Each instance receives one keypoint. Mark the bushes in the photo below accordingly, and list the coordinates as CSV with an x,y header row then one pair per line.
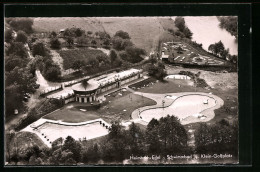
x,y
195,77
219,138
24,24
69,56
34,114
55,43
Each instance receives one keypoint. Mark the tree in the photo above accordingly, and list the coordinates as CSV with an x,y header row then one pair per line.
x,y
9,135
17,49
103,58
9,35
12,61
113,56
53,34
120,43
24,24
188,34
56,144
180,23
22,79
78,64
93,62
156,71
21,37
122,34
152,124
70,40
52,73
233,58
79,32
180,34
73,146
212,48
116,131
55,43
134,137
179,50
39,49
218,138
89,32
104,35
135,54
94,42
106,43
219,48
68,33
229,23
92,154
225,53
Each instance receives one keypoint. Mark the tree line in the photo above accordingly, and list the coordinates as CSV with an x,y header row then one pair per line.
x,y
161,137
18,77
218,49
184,31
229,23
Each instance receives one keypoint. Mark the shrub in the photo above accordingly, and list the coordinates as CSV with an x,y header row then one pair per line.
x,y
55,43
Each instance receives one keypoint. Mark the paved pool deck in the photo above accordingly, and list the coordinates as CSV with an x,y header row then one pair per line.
x,y
34,128
208,113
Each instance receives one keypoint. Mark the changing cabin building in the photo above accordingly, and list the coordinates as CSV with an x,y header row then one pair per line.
x,y
89,91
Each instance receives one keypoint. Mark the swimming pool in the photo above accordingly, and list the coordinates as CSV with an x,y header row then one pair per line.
x,y
53,131
182,107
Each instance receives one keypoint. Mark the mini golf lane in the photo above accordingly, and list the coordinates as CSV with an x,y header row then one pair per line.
x,y
188,107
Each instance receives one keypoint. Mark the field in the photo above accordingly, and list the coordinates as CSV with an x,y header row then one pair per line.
x,y
69,56
72,114
144,31
120,107
56,23
168,86
167,23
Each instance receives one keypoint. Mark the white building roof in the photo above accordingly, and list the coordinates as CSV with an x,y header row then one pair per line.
x,y
115,76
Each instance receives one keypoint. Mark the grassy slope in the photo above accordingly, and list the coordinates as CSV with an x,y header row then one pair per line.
x,y
69,56
55,24
144,31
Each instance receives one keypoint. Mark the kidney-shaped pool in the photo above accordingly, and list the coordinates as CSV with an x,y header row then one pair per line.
x,y
182,107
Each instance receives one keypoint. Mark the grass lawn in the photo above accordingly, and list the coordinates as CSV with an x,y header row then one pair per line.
x,y
114,109
72,114
69,56
169,86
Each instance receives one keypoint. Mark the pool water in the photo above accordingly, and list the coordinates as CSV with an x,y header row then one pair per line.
x,y
182,108
54,131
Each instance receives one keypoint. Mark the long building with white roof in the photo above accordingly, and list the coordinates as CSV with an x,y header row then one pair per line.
x,y
90,90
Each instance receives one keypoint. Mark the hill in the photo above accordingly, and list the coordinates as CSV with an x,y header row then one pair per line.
x,y
43,24
144,31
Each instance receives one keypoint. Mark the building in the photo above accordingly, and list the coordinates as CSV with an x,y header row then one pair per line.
x,y
88,91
